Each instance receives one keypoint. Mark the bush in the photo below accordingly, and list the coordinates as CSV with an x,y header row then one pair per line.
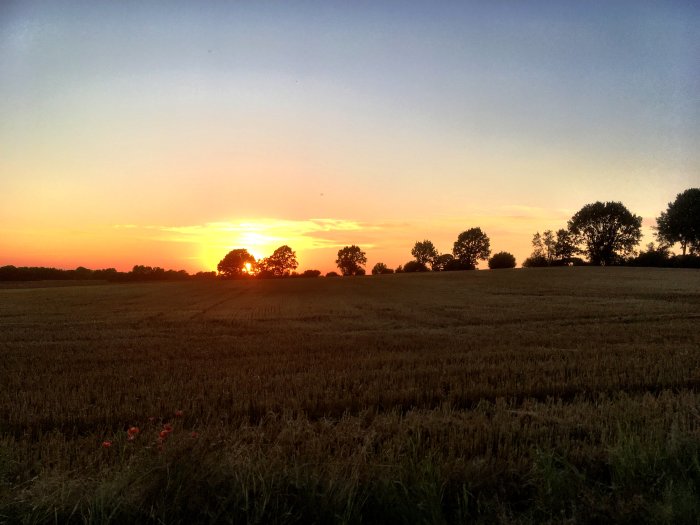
x,y
381,268
311,273
537,261
332,274
502,260
414,266
455,265
685,261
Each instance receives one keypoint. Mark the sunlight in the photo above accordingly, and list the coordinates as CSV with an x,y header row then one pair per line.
x,y
261,237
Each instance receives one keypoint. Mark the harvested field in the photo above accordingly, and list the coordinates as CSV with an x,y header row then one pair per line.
x,y
562,395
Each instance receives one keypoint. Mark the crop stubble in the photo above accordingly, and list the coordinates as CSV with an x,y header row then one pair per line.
x,y
477,392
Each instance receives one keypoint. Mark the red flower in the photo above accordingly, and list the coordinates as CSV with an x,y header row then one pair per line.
x,y
168,427
133,431
194,434
164,434
106,444
179,413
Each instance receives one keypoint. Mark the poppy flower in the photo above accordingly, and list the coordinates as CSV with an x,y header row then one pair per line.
x,y
106,444
179,413
168,427
194,434
164,434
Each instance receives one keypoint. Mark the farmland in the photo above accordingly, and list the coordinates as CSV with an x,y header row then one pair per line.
x,y
562,395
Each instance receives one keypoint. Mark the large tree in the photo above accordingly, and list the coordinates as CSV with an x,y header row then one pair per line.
x,y
351,260
471,246
236,263
282,261
424,252
607,229
680,223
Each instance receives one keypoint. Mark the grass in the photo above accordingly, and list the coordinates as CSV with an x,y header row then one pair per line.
x,y
565,395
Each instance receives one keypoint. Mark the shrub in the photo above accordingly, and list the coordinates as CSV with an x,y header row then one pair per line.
x,y
455,265
537,261
381,268
502,260
414,266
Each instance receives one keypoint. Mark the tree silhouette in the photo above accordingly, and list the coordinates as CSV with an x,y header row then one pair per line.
x,y
351,260
608,230
471,246
680,223
424,252
442,261
549,249
235,263
538,257
502,260
280,264
565,246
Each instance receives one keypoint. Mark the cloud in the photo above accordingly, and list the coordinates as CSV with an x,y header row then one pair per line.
x,y
261,236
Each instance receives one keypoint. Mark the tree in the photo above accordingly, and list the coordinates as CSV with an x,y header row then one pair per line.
x,y
537,246
502,260
350,260
424,252
549,244
471,246
538,257
608,230
236,263
282,261
311,273
680,223
565,246
380,268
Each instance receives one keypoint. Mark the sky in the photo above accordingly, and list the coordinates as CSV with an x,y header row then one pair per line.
x,y
168,133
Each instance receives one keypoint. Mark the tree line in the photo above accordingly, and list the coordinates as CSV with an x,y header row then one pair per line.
x,y
608,233
604,233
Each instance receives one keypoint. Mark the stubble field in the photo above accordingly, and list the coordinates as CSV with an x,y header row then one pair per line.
x,y
564,395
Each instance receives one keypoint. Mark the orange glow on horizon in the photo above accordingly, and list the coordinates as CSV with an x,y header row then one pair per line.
x,y
316,241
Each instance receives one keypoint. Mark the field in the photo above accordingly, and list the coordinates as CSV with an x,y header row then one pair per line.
x,y
564,395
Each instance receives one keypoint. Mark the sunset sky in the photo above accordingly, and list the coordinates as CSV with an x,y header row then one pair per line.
x,y
168,133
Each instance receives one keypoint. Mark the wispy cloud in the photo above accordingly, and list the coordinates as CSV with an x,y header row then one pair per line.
x,y
260,236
